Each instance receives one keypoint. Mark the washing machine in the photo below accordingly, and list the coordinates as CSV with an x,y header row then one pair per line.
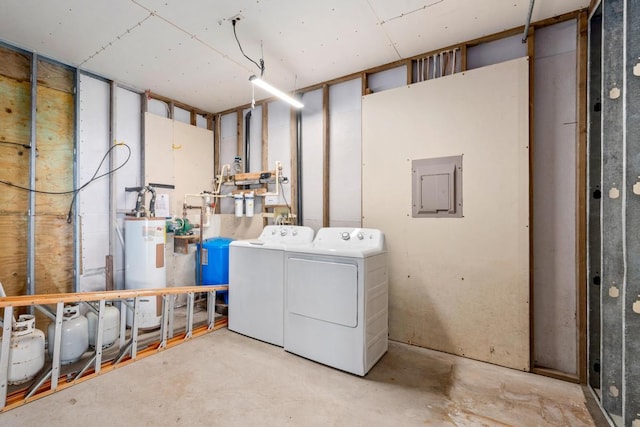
x,y
336,299
256,281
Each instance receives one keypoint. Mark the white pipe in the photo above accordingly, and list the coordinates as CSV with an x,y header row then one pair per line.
x,y
228,168
453,68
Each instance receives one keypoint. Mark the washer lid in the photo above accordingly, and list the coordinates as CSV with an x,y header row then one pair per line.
x,y
279,237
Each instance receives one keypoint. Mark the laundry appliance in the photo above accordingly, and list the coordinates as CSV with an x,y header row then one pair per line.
x,y
336,299
256,281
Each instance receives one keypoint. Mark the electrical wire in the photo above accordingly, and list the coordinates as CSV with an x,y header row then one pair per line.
x,y
27,146
285,199
261,65
82,187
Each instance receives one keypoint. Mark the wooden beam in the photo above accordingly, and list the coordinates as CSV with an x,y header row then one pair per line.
x,y
217,139
552,373
46,299
531,53
176,103
326,148
409,71
265,136
581,196
463,58
365,84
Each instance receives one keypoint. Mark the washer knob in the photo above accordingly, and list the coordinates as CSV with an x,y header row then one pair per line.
x,y
294,232
273,232
346,235
360,236
283,232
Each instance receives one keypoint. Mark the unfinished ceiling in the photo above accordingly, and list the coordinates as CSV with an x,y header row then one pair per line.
x,y
185,49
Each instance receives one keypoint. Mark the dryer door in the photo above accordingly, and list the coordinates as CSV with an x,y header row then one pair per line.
x,y
323,290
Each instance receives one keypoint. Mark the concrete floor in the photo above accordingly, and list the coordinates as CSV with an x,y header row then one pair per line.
x,y
225,379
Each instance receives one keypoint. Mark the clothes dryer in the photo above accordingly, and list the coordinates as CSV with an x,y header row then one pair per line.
x,y
336,299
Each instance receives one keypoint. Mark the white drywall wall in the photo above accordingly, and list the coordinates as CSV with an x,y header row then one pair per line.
x,y
554,198
459,285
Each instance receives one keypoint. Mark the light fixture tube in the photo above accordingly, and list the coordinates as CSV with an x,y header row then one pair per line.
x,y
274,91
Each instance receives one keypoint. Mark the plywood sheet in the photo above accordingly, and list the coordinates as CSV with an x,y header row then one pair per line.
x,y
15,65
15,115
13,254
55,135
54,254
193,161
459,285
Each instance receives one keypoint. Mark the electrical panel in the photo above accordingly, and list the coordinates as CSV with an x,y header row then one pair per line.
x,y
436,187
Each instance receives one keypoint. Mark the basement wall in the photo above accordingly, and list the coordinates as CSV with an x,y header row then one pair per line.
x,y
459,285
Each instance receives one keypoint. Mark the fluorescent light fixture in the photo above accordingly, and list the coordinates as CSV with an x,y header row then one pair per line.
x,y
277,92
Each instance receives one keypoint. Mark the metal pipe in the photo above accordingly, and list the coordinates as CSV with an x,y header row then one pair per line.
x,y
113,218
31,226
528,23
247,141
76,184
299,217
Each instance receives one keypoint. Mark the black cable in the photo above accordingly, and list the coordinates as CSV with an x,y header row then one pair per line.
x,y
27,146
76,191
261,65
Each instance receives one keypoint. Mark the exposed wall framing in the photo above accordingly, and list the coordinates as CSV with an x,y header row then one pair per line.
x,y
37,152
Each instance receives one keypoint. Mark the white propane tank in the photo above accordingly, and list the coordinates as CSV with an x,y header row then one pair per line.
x,y
75,335
145,266
26,354
111,326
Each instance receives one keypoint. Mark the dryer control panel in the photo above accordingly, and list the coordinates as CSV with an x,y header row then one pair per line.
x,y
350,239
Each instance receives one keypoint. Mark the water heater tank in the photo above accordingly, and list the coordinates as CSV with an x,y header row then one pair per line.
x,y
145,265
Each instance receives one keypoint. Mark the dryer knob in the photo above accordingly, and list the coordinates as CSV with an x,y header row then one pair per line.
x,y
360,236
283,232
294,232
273,232
346,235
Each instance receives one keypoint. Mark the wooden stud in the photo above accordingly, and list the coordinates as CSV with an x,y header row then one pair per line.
x,y
265,136
193,118
217,140
531,53
326,150
581,192
463,58
365,84
409,63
